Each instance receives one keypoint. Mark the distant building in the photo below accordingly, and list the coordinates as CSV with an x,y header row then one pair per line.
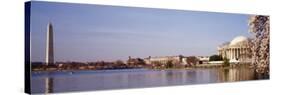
x,y
135,62
237,51
165,59
203,59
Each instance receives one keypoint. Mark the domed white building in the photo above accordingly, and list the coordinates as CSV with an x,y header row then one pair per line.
x,y
237,51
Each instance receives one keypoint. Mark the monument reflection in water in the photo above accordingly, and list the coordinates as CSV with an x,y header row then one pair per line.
x,y
134,78
49,85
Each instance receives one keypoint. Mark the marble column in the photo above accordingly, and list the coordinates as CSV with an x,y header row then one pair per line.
x,y
242,53
229,52
236,54
245,53
239,53
235,50
233,53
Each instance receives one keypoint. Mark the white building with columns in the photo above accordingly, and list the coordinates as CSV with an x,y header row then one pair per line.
x,y
237,51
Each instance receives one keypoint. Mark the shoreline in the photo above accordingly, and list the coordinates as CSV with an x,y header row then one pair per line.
x,y
202,66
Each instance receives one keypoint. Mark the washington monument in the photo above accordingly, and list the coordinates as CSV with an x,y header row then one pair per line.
x,y
50,45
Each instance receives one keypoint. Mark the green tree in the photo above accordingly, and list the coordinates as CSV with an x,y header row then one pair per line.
x,y
192,60
170,64
226,62
215,58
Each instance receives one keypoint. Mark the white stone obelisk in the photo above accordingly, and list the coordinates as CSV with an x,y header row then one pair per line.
x,y
50,45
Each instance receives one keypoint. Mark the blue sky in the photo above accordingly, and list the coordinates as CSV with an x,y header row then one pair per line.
x,y
84,32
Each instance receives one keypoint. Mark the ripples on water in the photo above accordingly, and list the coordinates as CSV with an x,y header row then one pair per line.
x,y
48,82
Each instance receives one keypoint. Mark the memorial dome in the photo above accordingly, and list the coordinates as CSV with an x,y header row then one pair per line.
x,y
238,40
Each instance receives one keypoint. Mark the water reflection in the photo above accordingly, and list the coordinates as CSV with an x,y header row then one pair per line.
x,y
235,74
49,85
103,80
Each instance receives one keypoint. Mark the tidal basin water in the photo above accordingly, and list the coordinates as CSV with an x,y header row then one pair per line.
x,y
53,82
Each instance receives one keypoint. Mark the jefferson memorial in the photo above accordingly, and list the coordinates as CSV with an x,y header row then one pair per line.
x,y
237,51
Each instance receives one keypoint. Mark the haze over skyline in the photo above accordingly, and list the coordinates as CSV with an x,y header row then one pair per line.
x,y
84,32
